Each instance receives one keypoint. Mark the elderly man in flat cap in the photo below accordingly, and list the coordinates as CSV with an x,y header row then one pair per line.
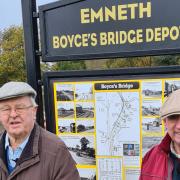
x,y
28,152
163,160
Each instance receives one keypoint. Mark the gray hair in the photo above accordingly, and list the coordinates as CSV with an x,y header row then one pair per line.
x,y
33,101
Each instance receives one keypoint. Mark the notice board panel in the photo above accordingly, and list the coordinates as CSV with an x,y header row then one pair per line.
x,y
91,29
108,119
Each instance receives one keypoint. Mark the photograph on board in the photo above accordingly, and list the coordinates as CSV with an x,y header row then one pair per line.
x,y
85,126
66,126
84,110
65,92
148,142
151,107
65,109
170,86
131,150
152,89
151,125
82,148
84,92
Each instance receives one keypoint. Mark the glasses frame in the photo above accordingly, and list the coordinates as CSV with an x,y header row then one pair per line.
x,y
19,110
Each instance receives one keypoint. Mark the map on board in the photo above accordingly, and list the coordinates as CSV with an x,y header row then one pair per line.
x,y
117,122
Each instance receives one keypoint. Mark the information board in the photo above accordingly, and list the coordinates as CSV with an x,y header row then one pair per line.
x,y
109,123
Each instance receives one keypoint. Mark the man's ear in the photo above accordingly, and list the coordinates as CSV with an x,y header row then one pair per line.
x,y
35,110
165,122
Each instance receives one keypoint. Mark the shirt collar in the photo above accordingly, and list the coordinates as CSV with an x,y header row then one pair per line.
x,y
173,151
21,146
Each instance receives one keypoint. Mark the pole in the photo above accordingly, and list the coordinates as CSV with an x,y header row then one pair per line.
x,y
32,54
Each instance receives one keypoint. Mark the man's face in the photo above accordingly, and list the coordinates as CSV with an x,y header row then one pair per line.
x,y
172,124
17,115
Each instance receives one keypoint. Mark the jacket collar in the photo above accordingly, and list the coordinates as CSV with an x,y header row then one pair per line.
x,y
165,143
31,149
2,149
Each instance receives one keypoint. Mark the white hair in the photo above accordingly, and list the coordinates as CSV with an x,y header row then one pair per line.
x,y
33,101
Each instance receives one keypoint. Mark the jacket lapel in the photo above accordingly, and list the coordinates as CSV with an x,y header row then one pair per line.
x,y
3,159
31,148
30,154
165,144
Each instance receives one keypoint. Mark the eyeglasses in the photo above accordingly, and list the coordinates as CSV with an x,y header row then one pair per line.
x,y
19,109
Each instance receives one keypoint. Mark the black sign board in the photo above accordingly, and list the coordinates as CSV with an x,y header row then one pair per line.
x,y
88,29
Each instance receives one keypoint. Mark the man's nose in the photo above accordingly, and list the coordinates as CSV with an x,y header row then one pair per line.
x,y
178,123
13,113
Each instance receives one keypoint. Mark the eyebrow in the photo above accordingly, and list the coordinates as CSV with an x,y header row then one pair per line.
x,y
16,105
173,116
4,106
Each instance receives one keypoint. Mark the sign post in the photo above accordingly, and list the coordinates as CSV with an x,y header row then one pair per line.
x,y
32,57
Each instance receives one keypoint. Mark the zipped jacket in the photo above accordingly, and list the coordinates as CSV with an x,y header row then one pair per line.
x,y
156,164
45,157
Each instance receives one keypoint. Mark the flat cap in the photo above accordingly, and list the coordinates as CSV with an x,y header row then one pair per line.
x,y
171,105
16,89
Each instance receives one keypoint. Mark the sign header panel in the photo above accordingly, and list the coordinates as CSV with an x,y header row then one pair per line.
x,y
100,29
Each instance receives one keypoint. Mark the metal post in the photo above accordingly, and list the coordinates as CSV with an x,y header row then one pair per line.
x,y
32,54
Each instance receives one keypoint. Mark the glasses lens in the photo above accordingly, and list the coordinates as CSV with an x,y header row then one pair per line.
x,y
18,110
22,109
5,110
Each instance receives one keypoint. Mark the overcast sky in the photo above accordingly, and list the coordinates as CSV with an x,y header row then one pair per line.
x,y
11,13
